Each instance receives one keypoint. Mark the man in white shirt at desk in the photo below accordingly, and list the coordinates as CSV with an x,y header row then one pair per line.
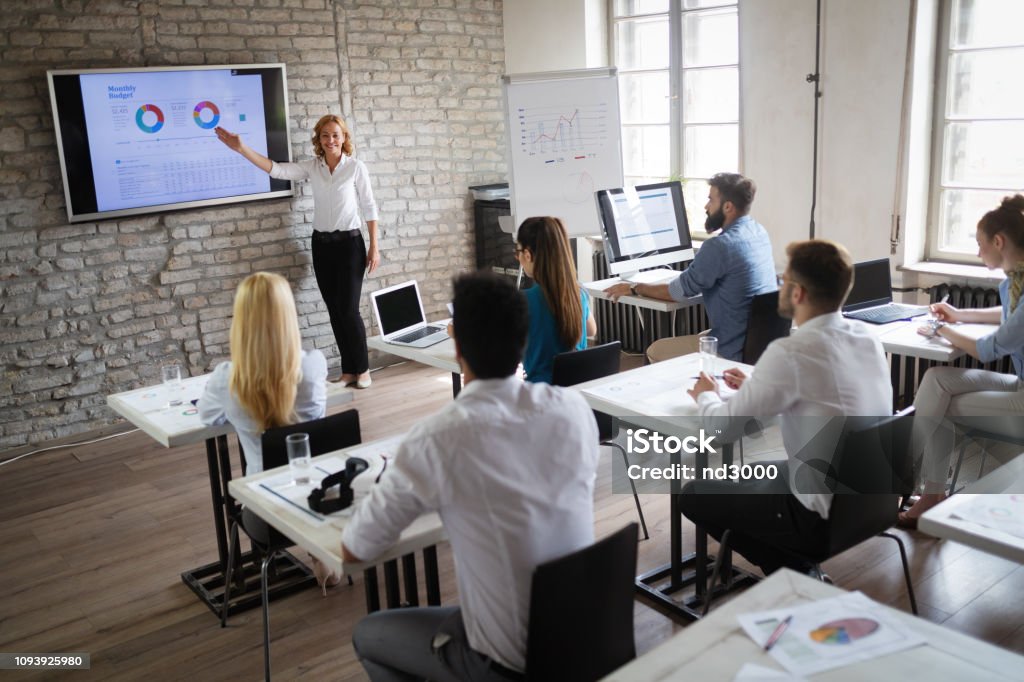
x,y
829,366
510,467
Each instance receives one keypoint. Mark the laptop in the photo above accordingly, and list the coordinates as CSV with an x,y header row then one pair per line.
x,y
399,312
870,299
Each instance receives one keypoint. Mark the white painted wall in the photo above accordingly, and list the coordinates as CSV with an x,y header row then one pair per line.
x,y
545,35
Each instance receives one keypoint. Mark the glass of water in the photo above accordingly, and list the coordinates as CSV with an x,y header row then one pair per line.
x,y
298,457
171,375
708,354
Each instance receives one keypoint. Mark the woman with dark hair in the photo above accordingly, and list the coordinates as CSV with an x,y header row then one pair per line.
x,y
560,316
341,190
975,397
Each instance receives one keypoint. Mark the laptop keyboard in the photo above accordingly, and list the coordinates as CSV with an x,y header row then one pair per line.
x,y
887,313
417,334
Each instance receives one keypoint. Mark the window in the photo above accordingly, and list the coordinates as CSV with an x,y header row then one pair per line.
x,y
978,153
679,92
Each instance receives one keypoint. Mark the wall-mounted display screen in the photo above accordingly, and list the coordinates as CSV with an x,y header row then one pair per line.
x,y
136,141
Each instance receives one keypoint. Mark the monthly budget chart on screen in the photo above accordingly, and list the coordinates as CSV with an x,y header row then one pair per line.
x,y
152,141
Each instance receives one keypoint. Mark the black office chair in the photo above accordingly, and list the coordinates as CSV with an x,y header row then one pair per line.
x,y
575,367
764,325
581,611
872,470
327,434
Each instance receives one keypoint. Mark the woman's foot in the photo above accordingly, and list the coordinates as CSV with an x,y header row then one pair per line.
x,y
324,577
908,519
362,381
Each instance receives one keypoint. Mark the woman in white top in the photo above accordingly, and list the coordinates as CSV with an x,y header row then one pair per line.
x,y
270,381
341,191
975,397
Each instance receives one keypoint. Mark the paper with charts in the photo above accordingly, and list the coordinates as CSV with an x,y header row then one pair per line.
x,y
998,512
152,401
830,633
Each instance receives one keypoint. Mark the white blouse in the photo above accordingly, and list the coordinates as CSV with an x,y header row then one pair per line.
x,y
218,406
338,197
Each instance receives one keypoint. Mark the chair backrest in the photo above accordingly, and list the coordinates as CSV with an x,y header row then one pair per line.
x,y
326,434
575,367
764,325
581,611
873,468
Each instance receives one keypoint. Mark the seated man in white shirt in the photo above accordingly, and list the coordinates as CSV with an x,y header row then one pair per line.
x,y
828,367
510,467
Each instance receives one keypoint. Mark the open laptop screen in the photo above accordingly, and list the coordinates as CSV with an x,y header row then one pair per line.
x,y
872,285
399,309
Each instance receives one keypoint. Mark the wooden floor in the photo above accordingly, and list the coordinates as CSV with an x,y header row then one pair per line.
x,y
94,538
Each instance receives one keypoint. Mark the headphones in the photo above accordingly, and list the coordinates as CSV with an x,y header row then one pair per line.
x,y
317,499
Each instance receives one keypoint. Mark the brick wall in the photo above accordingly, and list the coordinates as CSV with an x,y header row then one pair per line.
x,y
92,309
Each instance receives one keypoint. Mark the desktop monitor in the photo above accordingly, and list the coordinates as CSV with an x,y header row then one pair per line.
x,y
644,227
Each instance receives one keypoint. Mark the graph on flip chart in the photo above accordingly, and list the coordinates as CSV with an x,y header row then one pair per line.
x,y
564,144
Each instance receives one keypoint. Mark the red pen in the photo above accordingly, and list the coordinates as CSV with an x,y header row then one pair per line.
x,y
777,633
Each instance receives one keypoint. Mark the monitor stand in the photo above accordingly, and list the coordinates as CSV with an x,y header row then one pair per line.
x,y
659,276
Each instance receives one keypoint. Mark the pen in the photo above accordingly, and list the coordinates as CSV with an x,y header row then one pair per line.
x,y
777,633
716,376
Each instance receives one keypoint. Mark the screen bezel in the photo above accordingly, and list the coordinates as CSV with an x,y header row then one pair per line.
x,y
873,266
619,264
72,123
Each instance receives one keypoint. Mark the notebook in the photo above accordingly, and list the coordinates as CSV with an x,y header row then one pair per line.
x,y
870,299
399,312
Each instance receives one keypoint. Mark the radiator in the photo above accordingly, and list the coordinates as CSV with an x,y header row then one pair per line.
x,y
908,378
620,322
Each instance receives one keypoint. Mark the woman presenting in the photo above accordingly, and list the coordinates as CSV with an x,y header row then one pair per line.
x,y
341,191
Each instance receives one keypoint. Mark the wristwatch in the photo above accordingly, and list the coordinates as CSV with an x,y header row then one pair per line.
x,y
632,288
936,325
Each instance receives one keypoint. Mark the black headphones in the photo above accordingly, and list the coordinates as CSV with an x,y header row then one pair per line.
x,y
318,501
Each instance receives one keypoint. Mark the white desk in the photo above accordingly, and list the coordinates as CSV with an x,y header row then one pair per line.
x,y
901,338
597,290
323,539
655,397
941,522
716,647
147,409
440,355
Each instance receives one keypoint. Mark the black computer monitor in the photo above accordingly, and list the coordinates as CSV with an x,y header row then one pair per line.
x,y
644,227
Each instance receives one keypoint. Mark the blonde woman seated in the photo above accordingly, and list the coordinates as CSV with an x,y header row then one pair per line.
x,y
975,397
269,381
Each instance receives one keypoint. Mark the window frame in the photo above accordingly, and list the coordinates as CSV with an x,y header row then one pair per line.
x,y
677,75
939,122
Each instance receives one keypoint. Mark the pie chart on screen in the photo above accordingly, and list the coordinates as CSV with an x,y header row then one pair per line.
x,y
206,115
844,631
152,114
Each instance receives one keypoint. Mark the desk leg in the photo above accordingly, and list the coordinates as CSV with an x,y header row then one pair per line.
x,y
290,575
391,594
650,584
412,596
371,587
456,384
430,576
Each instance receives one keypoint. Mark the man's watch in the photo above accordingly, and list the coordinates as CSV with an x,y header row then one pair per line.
x,y
632,288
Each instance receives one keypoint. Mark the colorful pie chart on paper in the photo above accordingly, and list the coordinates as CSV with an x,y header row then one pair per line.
x,y
844,631
157,118
197,115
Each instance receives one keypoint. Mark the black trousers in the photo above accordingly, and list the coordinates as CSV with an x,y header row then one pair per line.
x,y
339,262
769,525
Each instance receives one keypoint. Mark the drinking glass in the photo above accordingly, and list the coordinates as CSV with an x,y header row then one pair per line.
x,y
171,375
708,354
298,457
